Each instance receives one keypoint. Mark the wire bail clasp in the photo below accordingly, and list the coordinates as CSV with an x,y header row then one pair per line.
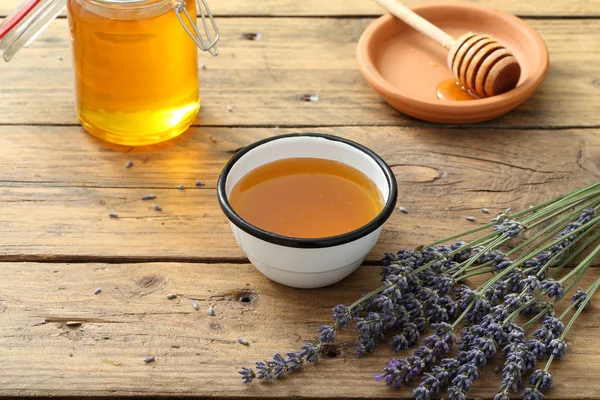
x,y
209,45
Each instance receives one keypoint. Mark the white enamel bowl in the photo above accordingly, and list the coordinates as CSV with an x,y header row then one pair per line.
x,y
299,262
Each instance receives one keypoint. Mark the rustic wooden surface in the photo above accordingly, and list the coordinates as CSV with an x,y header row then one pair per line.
x,y
263,80
278,8
57,185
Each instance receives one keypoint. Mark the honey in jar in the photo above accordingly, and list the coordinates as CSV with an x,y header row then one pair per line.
x,y
306,198
136,68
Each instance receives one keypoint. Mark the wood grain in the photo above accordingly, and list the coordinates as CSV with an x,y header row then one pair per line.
x,y
58,184
364,7
198,355
263,81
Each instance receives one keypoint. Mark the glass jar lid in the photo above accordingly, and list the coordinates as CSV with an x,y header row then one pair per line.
x,y
32,17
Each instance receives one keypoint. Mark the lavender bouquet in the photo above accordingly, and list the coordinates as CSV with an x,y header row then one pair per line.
x,y
427,288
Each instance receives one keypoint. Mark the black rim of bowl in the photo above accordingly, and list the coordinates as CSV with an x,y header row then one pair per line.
x,y
308,243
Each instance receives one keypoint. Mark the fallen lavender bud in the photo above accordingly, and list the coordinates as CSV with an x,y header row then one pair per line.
x,y
485,211
148,197
98,290
129,164
470,218
211,311
404,210
157,207
243,341
195,305
171,296
181,187
149,359
113,215
199,183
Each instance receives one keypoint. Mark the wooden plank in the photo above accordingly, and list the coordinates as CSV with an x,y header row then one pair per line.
x,y
57,186
198,355
363,7
264,80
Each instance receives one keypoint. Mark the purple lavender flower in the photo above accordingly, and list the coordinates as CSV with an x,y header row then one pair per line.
x,y
542,379
502,395
455,393
537,347
532,394
579,297
424,357
586,215
530,284
247,374
513,301
449,305
519,359
293,362
327,333
499,312
341,315
278,366
310,352
553,288
513,280
422,393
462,255
511,228
531,305
558,347
264,371
496,293
486,345
395,373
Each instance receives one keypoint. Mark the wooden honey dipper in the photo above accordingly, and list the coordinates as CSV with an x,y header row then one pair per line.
x,y
478,62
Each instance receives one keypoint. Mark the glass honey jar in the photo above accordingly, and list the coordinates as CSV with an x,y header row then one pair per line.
x,y
136,66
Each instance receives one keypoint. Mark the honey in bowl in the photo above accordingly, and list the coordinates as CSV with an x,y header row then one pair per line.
x,y
306,198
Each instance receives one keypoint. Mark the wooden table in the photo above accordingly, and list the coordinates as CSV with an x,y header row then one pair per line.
x,y
57,185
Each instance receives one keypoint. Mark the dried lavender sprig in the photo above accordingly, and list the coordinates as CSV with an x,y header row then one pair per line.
x,y
542,379
565,249
566,199
574,254
554,228
551,212
520,261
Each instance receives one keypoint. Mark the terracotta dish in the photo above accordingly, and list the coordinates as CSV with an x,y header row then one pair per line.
x,y
405,67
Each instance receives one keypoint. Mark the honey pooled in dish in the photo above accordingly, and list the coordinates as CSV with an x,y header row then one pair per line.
x,y
450,89
306,198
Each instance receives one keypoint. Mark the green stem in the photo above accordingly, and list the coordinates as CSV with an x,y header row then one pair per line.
x,y
487,271
463,314
556,256
561,200
583,265
590,292
558,227
574,254
541,314
366,297
526,257
503,238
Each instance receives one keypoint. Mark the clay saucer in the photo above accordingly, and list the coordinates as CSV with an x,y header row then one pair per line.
x,y
405,67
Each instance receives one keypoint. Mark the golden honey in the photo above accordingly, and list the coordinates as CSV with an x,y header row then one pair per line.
x,y
450,89
136,70
306,198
